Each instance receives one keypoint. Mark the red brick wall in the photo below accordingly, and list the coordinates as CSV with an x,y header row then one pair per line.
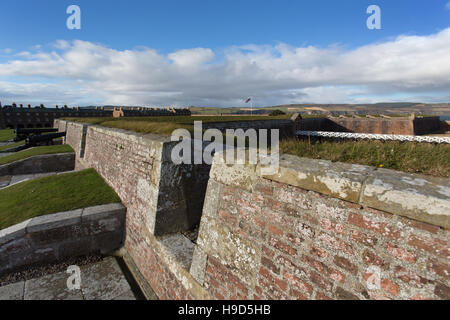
x,y
308,245
317,247
122,161
378,126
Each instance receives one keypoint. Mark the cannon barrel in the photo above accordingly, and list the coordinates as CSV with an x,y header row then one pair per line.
x,y
33,140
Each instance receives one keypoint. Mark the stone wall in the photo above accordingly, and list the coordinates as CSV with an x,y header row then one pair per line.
x,y
52,238
401,126
162,200
426,125
286,126
322,230
316,230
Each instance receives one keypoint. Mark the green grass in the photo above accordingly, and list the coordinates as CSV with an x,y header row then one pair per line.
x,y
166,125
425,158
53,194
6,135
13,145
35,152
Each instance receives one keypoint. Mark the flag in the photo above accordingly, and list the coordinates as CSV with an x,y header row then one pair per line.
x,y
248,100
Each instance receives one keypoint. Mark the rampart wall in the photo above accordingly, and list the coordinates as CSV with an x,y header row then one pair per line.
x,y
399,126
315,230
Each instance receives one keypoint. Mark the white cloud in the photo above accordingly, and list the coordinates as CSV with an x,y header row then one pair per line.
x,y
412,66
447,6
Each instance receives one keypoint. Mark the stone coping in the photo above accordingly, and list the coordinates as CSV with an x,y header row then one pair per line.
x,y
419,197
58,220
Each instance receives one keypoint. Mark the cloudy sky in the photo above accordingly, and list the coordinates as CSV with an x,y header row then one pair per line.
x,y
217,53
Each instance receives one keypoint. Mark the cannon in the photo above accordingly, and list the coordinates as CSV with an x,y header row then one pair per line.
x,y
45,138
24,133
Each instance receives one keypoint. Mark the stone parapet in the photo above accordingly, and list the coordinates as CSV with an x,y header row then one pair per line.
x,y
56,237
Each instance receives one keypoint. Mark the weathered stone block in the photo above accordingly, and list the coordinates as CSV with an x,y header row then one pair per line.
x,y
240,176
198,266
12,292
113,210
54,221
232,250
13,232
29,257
422,198
58,234
106,243
179,247
341,180
212,198
74,248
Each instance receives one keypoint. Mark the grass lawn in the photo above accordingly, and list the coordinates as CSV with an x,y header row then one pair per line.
x,y
6,135
53,194
425,158
166,125
13,145
64,148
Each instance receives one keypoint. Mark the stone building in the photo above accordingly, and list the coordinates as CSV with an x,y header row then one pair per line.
x,y
15,117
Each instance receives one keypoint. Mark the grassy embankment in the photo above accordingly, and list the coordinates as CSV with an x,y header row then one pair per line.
x,y
165,125
430,159
53,194
35,152
6,135
425,158
12,145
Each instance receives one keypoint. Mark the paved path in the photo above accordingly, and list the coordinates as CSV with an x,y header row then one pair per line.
x,y
102,280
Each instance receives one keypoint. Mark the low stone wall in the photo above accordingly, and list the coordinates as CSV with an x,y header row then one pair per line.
x,y
52,238
286,126
59,162
323,230
400,126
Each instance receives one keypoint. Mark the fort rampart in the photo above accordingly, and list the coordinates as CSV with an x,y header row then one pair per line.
x,y
315,230
398,126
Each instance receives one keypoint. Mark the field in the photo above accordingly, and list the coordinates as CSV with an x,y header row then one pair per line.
x,y
53,194
6,135
425,158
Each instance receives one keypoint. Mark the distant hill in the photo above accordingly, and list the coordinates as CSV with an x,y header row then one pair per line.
x,y
377,108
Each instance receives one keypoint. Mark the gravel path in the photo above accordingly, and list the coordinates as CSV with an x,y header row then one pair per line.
x,y
99,279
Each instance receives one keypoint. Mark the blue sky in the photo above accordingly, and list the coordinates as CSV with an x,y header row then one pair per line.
x,y
174,42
